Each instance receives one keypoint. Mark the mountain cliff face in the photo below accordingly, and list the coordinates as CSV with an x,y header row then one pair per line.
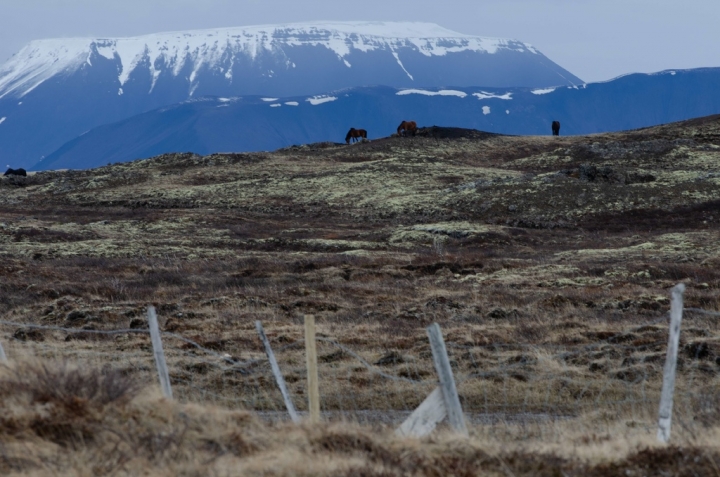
x,y
54,90
207,125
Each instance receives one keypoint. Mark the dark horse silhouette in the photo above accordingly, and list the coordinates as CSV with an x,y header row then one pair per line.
x,y
556,128
355,135
16,172
407,127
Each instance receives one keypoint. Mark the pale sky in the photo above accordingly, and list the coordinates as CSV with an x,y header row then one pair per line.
x,y
594,39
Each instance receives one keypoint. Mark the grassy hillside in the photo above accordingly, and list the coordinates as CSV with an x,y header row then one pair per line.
x,y
546,261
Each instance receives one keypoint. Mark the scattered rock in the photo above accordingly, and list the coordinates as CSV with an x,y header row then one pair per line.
x,y
138,324
76,316
390,359
199,368
702,350
557,301
632,375
332,357
29,334
441,302
597,367
499,313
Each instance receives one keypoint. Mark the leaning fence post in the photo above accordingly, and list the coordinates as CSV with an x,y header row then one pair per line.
x,y
278,375
668,387
447,381
425,417
159,354
312,371
3,356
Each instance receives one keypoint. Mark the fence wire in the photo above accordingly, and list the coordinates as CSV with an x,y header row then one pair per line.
x,y
504,387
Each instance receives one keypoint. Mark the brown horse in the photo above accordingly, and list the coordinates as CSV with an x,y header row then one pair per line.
x,y
407,127
355,135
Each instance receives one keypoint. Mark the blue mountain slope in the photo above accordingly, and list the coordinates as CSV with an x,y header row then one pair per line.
x,y
53,90
250,124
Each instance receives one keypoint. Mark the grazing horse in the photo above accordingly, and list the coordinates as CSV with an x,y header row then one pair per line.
x,y
556,128
355,135
16,172
407,127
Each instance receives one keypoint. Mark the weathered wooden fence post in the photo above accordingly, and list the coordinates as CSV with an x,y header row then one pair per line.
x,y
668,387
278,375
312,371
159,353
447,381
425,417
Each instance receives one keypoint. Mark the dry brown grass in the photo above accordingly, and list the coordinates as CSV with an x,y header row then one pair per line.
x,y
551,289
99,425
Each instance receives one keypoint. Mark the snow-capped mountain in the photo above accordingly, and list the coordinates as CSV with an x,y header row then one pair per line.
x,y
259,56
53,90
211,124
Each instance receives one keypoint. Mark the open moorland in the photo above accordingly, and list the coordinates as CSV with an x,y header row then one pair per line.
x,y
547,262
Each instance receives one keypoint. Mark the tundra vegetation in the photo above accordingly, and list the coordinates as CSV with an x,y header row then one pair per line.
x,y
547,261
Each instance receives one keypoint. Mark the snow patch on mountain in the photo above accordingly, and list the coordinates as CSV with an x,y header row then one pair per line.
x,y
41,60
443,92
485,95
315,100
217,49
2,120
543,91
397,58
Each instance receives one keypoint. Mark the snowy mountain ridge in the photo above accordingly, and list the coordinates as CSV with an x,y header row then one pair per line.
x,y
53,90
218,49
